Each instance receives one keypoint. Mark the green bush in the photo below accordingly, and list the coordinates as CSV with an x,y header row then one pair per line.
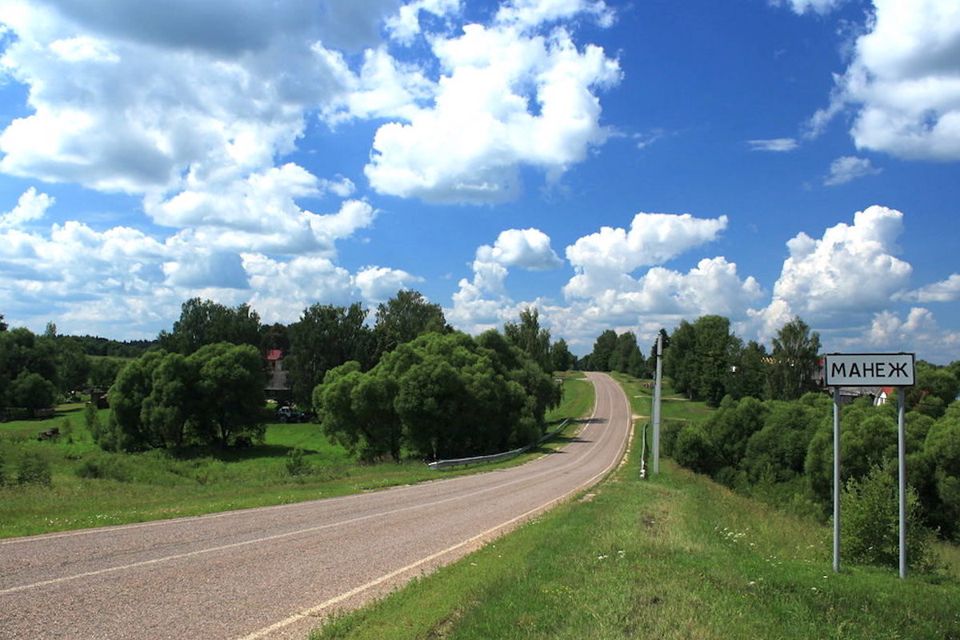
x,y
105,466
669,430
694,450
34,469
297,465
870,523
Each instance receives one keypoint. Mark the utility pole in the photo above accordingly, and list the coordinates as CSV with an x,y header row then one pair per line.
x,y
656,405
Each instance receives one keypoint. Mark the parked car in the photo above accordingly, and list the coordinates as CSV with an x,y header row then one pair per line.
x,y
292,414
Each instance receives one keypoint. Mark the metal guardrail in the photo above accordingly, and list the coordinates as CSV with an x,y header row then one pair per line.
x,y
496,457
643,451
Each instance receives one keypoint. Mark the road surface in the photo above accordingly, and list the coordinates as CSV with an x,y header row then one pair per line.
x,y
274,572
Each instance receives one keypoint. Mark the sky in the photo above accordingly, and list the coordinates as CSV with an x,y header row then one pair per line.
x,y
617,165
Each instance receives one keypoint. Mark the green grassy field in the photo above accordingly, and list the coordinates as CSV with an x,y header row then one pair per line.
x,y
123,488
677,556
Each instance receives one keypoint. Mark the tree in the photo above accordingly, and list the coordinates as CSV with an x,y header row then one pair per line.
x,y
104,370
942,450
274,336
438,396
625,351
73,365
3,325
205,322
679,361
404,317
560,357
357,411
231,383
325,337
529,337
795,355
125,430
935,388
23,352
714,348
213,396
603,348
749,373
174,400
32,391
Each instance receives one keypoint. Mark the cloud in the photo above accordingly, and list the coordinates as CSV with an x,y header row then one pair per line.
x,y
773,144
30,206
260,212
505,98
377,284
944,291
847,168
228,88
404,26
533,13
653,238
850,270
903,82
525,248
482,302
800,7
919,331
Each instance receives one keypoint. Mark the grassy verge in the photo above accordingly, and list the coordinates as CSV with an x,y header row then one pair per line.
x,y
677,556
124,488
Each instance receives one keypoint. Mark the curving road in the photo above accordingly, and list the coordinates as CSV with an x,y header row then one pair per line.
x,y
274,572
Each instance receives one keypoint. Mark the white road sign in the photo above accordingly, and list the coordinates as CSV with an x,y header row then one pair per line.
x,y
869,370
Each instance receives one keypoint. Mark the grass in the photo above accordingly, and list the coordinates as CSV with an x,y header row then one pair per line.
x,y
678,556
124,488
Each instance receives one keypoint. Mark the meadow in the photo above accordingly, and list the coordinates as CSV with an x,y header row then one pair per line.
x,y
675,556
90,487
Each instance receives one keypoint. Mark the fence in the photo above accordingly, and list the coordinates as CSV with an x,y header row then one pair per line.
x,y
495,457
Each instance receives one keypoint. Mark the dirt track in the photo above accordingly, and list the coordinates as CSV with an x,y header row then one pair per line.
x,y
273,572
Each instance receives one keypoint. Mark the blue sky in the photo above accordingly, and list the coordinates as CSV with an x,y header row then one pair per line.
x,y
617,165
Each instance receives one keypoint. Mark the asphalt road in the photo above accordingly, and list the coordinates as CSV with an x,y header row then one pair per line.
x,y
275,572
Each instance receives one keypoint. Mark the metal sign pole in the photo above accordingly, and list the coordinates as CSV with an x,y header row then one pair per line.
x,y
836,479
902,453
656,406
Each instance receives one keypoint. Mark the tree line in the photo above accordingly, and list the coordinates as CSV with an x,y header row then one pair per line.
x,y
37,371
706,361
404,384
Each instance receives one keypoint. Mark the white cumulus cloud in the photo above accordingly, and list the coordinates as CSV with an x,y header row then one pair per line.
x,y
904,82
850,270
504,99
32,205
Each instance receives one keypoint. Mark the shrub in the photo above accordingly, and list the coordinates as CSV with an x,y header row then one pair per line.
x,y
870,523
34,469
106,467
694,450
296,464
669,430
66,430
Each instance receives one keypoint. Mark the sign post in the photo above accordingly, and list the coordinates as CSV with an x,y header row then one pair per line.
x,y
656,405
870,370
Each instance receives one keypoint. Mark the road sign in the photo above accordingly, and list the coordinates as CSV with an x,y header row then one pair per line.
x,y
869,370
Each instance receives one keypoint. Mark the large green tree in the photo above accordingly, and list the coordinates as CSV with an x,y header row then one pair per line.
x,y
205,322
325,337
560,357
603,348
211,397
529,336
404,317
795,360
438,396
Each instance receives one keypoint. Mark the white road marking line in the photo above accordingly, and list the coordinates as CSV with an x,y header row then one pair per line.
x,y
388,576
